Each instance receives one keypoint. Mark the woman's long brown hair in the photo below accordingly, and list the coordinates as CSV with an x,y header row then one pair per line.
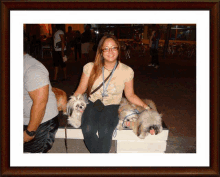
x,y
99,62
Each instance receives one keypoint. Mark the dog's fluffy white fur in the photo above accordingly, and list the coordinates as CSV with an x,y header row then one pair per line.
x,y
143,122
75,108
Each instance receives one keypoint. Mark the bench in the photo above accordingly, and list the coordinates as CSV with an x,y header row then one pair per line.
x,y
126,141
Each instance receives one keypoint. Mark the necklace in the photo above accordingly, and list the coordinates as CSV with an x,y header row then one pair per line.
x,y
108,69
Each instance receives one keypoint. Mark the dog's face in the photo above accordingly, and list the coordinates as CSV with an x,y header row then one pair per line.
x,y
149,120
76,105
79,106
156,128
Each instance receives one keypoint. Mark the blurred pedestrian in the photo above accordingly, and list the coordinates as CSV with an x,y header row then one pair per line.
x,y
69,41
85,43
77,45
154,43
59,57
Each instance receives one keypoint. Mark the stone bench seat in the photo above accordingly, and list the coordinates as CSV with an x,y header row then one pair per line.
x,y
126,140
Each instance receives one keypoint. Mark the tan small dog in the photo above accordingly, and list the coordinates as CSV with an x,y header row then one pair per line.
x,y
149,122
142,121
128,111
61,99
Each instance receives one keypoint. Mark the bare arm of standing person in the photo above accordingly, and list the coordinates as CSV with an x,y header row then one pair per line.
x,y
82,85
131,96
40,99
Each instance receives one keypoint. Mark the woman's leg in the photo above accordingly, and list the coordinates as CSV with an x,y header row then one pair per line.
x,y
155,60
89,127
65,73
156,57
56,69
153,57
107,124
55,64
63,65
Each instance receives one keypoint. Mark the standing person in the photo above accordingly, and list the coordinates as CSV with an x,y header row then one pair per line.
x,y
69,41
85,43
77,45
154,43
40,113
59,57
105,120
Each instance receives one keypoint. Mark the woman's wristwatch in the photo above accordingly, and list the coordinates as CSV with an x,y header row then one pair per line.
x,y
32,133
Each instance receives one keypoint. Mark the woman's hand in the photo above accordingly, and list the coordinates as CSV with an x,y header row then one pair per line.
x,y
146,107
27,137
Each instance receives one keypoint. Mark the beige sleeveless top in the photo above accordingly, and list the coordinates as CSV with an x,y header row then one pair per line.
x,y
122,74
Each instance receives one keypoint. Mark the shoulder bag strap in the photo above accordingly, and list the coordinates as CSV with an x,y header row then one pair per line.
x,y
102,83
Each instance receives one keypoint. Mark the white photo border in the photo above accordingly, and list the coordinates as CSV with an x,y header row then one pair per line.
x,y
199,17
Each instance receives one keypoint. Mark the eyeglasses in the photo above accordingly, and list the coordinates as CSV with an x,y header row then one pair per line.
x,y
114,49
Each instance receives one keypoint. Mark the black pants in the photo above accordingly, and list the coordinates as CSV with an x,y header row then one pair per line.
x,y
154,54
44,138
58,59
104,122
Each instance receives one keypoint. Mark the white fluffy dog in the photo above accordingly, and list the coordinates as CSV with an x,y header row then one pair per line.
x,y
75,108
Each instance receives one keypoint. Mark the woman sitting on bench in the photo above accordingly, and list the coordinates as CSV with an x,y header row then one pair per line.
x,y
104,81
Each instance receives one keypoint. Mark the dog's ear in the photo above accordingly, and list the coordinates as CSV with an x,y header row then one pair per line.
x,y
79,97
84,97
70,110
73,98
139,129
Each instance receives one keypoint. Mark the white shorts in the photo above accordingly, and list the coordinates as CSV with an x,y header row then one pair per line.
x,y
85,47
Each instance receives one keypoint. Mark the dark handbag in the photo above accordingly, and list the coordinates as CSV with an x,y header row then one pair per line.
x,y
98,105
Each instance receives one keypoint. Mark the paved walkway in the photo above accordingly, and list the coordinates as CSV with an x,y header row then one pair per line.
x,y
172,87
